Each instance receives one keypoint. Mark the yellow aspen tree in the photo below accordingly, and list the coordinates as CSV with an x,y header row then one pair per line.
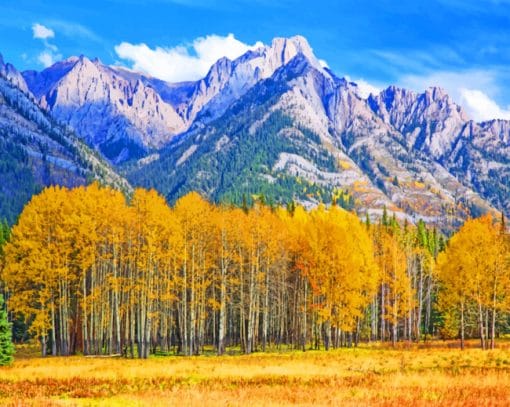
x,y
397,294
36,259
479,254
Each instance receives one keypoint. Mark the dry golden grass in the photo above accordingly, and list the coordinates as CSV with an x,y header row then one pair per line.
x,y
363,376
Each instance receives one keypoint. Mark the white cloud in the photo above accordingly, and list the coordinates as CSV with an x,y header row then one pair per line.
x,y
48,58
481,106
50,54
452,81
50,47
364,88
474,90
182,63
41,32
323,63
73,29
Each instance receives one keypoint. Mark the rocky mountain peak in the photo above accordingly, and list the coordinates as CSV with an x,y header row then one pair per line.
x,y
72,59
288,48
8,71
228,80
119,114
436,93
393,96
219,72
430,120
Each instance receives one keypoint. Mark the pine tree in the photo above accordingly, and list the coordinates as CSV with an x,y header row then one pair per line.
x,y
263,200
384,220
244,205
4,234
291,207
6,346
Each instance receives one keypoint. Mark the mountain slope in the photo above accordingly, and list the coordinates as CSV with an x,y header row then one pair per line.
x,y
275,121
127,115
235,154
303,135
477,154
36,151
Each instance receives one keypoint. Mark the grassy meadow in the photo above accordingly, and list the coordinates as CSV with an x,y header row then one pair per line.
x,y
438,374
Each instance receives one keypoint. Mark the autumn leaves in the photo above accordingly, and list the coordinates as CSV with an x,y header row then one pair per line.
x,y
93,273
475,275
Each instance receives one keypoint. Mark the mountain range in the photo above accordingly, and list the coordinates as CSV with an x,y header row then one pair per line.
x,y
273,122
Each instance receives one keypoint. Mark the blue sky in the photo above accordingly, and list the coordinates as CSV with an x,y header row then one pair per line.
x,y
461,45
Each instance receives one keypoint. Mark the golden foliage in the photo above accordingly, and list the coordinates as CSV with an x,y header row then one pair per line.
x,y
92,272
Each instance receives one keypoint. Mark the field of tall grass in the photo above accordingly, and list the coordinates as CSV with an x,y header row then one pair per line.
x,y
367,375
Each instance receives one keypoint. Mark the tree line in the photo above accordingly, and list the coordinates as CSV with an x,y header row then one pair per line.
x,y
93,272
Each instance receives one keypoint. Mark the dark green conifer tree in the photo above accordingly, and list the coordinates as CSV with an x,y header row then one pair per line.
x,y
384,219
6,346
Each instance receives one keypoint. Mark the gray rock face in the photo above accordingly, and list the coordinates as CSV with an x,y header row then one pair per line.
x,y
475,153
227,80
430,121
117,114
11,74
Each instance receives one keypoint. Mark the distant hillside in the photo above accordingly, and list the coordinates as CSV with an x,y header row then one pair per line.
x,y
36,151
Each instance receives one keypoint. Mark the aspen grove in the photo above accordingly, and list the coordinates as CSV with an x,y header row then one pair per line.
x,y
90,271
